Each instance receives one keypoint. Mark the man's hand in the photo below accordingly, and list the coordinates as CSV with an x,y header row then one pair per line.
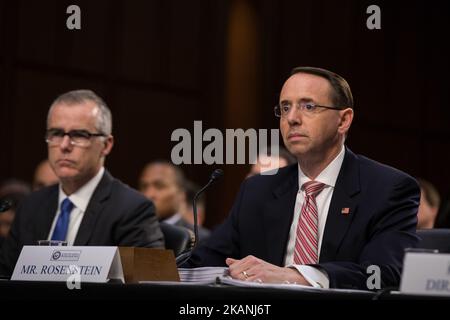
x,y
253,269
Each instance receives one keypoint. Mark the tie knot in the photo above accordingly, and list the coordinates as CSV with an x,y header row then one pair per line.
x,y
313,188
66,205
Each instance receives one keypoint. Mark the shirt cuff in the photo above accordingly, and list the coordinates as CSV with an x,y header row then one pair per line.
x,y
314,276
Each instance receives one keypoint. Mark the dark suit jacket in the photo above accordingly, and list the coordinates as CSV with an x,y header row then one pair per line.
x,y
203,233
382,221
115,216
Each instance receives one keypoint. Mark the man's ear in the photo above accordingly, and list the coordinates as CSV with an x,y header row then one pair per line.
x,y
346,120
108,144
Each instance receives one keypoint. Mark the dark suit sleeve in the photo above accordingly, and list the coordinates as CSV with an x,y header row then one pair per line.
x,y
391,231
139,227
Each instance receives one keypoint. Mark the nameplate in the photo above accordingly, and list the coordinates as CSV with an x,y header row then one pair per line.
x,y
426,274
83,264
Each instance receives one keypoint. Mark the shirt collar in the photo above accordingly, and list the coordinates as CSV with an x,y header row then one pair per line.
x,y
329,175
82,196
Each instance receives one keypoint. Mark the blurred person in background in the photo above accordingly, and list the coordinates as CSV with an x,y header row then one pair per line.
x,y
44,176
429,204
13,191
164,184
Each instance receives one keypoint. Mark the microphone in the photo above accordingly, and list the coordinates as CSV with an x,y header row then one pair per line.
x,y
5,205
183,257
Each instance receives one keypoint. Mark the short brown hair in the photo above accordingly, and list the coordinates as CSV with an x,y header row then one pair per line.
x,y
341,95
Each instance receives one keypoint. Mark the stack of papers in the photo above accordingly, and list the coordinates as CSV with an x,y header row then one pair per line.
x,y
220,275
204,275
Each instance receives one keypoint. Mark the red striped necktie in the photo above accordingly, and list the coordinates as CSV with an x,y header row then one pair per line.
x,y
307,235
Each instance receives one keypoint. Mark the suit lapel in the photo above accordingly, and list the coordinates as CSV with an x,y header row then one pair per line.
x,y
278,215
47,214
93,210
343,200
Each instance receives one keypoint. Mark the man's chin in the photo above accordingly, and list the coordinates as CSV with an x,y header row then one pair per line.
x,y
66,174
298,149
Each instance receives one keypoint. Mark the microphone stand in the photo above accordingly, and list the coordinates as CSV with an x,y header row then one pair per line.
x,y
183,257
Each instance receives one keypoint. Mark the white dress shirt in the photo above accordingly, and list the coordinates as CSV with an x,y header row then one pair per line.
x,y
80,200
328,176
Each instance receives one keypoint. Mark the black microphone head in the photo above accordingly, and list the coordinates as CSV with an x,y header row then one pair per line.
x,y
216,175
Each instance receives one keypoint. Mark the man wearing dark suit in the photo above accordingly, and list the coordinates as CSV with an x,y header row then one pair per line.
x,y
324,221
89,206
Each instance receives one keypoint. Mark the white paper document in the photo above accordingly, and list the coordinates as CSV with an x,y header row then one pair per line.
x,y
220,275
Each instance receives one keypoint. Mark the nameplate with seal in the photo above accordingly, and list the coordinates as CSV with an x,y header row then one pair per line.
x,y
83,264
426,274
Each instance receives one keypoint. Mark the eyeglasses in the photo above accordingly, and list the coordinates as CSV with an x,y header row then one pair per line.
x,y
81,138
283,109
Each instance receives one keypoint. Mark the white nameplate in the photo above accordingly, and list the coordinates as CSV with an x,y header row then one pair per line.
x,y
426,273
60,263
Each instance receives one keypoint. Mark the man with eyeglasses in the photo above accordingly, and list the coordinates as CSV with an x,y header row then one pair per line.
x,y
88,206
325,220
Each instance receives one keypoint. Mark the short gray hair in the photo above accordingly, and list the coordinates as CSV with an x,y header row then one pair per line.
x,y
104,117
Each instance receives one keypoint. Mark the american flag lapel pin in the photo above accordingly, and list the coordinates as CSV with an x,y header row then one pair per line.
x,y
345,211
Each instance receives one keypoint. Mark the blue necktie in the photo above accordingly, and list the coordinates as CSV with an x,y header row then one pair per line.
x,y
62,224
